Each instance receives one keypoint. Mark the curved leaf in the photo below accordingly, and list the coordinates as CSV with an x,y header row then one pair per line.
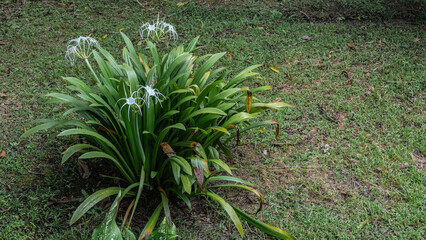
x,y
228,178
221,164
243,187
74,149
92,200
264,227
228,208
108,229
147,230
209,110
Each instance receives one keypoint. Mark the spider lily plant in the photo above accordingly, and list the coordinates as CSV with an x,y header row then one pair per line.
x,y
158,31
161,122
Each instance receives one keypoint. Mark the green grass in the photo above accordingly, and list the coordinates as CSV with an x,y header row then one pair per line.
x,y
350,159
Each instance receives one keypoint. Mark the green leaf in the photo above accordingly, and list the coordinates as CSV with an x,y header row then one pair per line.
x,y
44,126
182,196
221,164
192,44
149,227
186,184
238,118
176,171
204,111
228,208
128,235
264,227
74,149
92,200
186,167
228,178
138,196
108,229
77,131
206,66
242,76
243,187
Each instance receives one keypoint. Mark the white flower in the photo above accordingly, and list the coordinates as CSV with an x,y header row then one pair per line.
x,y
149,29
130,101
151,92
80,47
160,29
168,29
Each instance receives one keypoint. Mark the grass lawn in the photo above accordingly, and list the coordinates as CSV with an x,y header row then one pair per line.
x,y
349,162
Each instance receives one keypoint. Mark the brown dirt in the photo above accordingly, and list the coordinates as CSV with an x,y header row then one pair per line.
x,y
419,160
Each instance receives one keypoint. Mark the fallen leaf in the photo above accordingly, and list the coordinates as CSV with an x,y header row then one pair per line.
x,y
275,69
2,153
121,29
331,52
416,39
230,56
99,38
304,37
404,165
90,34
261,130
106,35
2,43
346,74
83,169
180,4
379,169
351,44
277,100
362,224
3,95
62,201
45,83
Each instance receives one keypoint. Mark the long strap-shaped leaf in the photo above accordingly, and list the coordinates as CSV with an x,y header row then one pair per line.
x,y
74,149
228,178
99,154
243,187
192,44
264,227
91,201
204,111
138,195
147,230
228,208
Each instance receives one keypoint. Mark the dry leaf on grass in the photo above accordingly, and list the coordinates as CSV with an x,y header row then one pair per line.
x,y
304,37
2,153
275,69
83,169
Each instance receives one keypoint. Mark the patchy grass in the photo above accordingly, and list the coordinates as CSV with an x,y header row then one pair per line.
x,y
350,159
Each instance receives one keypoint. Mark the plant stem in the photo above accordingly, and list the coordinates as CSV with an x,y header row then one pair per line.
x,y
91,69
